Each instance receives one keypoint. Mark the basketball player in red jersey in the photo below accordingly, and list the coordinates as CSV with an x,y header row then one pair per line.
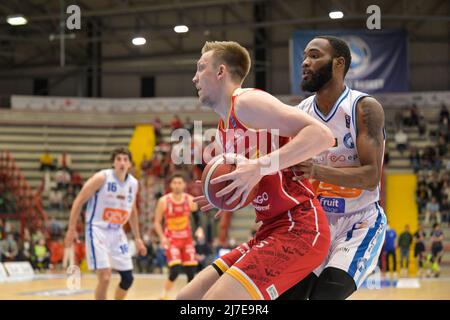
x,y
175,208
294,237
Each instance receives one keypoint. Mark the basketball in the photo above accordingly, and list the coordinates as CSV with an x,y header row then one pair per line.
x,y
216,168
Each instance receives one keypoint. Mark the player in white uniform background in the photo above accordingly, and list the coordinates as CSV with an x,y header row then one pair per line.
x,y
346,177
112,202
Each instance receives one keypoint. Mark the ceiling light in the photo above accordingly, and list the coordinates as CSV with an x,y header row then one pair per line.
x,y
336,15
139,41
16,20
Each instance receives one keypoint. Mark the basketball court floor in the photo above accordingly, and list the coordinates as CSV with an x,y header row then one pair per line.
x,y
148,287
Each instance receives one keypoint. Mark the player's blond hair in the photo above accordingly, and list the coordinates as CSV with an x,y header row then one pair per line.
x,y
233,55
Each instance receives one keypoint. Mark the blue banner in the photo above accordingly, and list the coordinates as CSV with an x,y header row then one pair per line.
x,y
379,59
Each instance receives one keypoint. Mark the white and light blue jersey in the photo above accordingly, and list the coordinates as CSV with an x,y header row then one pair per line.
x,y
111,205
341,120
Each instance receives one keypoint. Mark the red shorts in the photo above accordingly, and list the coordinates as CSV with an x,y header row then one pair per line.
x,y
181,251
284,251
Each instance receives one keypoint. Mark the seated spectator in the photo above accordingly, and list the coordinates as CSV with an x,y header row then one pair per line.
x,y
422,197
64,162
414,159
47,161
55,199
189,125
76,181
145,164
10,249
176,123
202,249
442,146
444,114
445,209
56,249
25,253
401,140
62,179
422,125
444,129
413,116
69,197
41,256
432,209
157,126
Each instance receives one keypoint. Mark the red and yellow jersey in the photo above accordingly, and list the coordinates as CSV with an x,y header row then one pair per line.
x,y
277,193
176,216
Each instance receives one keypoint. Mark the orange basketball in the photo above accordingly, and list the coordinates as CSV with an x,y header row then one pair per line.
x,y
216,168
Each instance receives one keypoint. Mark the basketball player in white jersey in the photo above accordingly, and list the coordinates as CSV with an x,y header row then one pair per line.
x,y
346,177
112,202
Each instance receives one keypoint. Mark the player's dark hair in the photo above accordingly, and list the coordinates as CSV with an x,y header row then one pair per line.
x,y
340,49
176,175
121,150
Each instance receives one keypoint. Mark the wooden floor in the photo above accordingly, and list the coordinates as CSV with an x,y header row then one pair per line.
x,y
148,287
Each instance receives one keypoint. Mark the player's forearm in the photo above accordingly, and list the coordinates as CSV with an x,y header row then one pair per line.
x,y
134,225
74,214
309,142
159,230
364,177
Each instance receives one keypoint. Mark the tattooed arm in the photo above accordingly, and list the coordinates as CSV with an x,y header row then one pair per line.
x,y
369,141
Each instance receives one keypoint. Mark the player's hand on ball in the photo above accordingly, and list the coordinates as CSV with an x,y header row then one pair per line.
x,y
307,169
243,179
205,206
141,248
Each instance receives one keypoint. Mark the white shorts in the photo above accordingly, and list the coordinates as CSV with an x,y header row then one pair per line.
x,y
107,249
356,242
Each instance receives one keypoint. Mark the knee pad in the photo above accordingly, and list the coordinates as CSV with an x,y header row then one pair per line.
x,y
126,279
190,272
174,271
333,284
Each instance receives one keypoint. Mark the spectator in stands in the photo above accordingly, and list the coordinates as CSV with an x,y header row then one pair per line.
x,y
437,247
47,161
404,242
176,123
413,116
202,249
145,263
401,140
419,248
41,256
65,162
55,228
55,199
69,197
422,125
445,209
56,249
10,249
390,244
76,181
444,129
7,203
422,197
145,165
157,126
429,158
432,209
414,159
189,125
442,146
25,253
62,179
444,114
